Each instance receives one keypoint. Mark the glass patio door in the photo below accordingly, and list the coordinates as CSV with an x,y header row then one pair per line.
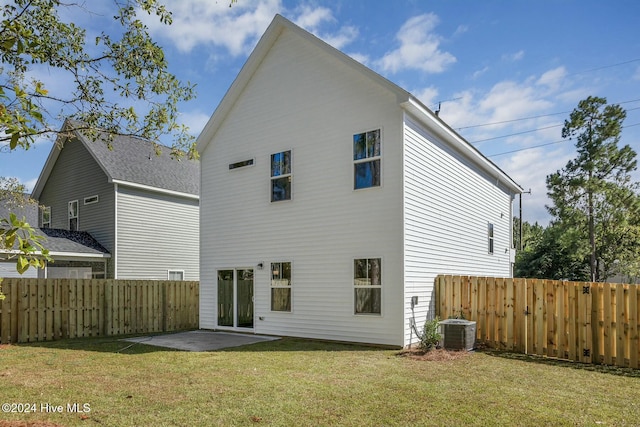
x,y
235,298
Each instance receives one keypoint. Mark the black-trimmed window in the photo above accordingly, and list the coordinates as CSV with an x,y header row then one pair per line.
x,y
366,159
281,176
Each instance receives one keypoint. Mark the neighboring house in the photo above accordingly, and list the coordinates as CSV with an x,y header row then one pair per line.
x,y
140,206
331,198
75,253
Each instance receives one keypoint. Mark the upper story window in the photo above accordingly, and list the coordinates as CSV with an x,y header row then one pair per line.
x,y
367,283
46,217
280,286
281,176
366,159
73,215
490,237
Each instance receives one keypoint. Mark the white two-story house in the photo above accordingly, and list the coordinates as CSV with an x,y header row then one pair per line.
x,y
331,198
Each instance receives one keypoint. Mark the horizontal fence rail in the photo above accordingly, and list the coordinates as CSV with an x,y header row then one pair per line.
x,y
51,309
579,321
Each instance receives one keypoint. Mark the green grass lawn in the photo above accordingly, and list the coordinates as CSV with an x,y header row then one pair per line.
x,y
295,382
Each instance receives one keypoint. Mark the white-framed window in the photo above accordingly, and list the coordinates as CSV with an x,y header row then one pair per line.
x,y
281,176
46,217
367,157
367,285
175,275
241,164
73,215
91,200
281,286
490,237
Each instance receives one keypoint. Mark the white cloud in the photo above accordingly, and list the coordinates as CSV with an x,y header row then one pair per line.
x,y
236,29
203,22
478,73
428,96
513,57
419,48
195,121
530,169
553,79
313,19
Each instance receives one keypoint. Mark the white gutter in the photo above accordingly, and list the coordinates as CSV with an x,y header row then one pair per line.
x,y
155,189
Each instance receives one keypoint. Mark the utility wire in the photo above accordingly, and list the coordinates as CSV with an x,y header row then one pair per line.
x,y
546,144
542,128
539,116
513,134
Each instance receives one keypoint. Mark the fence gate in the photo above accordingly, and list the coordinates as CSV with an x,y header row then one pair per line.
x,y
578,321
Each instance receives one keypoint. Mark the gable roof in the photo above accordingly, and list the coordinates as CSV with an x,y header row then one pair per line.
x,y
406,100
133,162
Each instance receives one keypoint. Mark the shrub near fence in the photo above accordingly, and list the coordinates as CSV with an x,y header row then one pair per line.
x,y
579,321
50,309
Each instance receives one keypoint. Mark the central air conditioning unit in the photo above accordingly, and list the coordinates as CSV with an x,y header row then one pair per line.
x,y
458,334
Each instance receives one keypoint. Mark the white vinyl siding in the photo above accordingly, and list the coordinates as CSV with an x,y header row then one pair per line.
x,y
447,202
156,233
330,224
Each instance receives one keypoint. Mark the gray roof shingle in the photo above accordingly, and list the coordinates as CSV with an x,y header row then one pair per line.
x,y
78,242
134,160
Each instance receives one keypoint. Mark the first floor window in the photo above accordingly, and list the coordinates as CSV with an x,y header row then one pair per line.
x,y
366,159
46,217
490,237
175,275
280,286
73,215
367,283
281,176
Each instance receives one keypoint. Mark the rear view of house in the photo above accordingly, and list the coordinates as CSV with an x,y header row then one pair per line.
x,y
331,198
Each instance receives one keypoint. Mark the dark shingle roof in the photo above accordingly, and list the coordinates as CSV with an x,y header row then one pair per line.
x,y
79,242
134,160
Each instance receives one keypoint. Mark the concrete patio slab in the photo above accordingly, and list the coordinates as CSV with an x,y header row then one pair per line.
x,y
201,340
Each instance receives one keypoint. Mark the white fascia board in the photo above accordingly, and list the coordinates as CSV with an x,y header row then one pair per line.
x,y
155,189
15,252
434,123
66,255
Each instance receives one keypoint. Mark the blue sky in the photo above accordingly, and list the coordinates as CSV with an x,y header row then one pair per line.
x,y
505,73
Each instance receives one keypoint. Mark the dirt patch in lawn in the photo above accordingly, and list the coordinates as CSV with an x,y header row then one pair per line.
x,y
436,355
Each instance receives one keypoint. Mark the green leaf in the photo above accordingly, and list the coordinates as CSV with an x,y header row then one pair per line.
x,y
14,141
22,264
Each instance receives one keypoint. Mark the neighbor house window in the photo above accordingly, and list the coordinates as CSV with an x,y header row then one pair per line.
x,y
367,283
91,200
73,215
46,217
175,275
280,286
281,176
366,159
490,237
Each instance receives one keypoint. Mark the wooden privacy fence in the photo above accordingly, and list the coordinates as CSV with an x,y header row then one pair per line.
x,y
50,309
579,321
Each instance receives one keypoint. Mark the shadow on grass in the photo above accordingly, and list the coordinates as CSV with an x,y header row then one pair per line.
x,y
116,344
541,360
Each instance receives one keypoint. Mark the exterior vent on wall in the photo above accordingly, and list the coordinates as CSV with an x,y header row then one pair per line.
x,y
458,334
